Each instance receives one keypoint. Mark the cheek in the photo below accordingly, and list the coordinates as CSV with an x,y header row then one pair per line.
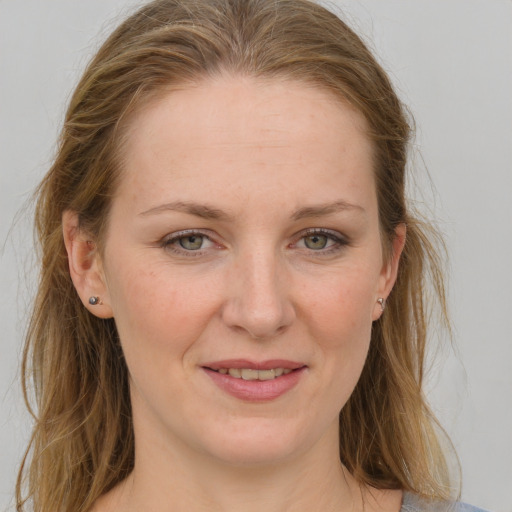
x,y
342,304
340,319
158,312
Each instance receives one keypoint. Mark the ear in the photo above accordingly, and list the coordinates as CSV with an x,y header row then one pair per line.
x,y
389,270
85,266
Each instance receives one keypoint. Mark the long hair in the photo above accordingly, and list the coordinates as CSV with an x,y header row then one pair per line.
x,y
82,443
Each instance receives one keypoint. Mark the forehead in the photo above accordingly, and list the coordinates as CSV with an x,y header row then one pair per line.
x,y
245,134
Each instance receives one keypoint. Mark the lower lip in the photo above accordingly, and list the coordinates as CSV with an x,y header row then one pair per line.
x,y
256,390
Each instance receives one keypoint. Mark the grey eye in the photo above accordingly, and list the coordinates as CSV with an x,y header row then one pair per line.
x,y
316,242
191,242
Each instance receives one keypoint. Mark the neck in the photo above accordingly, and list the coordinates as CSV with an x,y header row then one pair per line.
x,y
185,481
170,475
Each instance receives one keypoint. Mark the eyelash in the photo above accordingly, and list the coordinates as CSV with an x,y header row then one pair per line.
x,y
169,243
339,242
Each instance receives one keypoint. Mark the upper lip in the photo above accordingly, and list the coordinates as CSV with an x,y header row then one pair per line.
x,y
254,365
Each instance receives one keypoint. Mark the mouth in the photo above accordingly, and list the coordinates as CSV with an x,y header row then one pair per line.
x,y
255,381
252,374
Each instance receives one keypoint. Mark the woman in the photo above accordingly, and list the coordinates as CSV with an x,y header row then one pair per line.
x,y
231,313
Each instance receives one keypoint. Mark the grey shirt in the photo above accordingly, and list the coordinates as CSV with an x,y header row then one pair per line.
x,y
412,503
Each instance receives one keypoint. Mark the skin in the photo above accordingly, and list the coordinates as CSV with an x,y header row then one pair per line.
x,y
262,163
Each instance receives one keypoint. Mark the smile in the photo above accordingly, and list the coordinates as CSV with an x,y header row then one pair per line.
x,y
251,374
255,381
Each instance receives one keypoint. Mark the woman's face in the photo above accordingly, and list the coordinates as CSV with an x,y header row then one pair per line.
x,y
242,264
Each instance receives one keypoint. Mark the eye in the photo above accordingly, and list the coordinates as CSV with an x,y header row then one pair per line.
x,y
316,242
191,242
187,243
321,241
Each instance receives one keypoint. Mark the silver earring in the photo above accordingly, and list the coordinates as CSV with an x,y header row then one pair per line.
x,y
382,303
94,301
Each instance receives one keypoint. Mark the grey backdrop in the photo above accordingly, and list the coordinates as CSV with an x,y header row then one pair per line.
x,y
452,63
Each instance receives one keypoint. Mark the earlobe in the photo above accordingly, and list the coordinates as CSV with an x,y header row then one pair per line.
x,y
85,267
390,270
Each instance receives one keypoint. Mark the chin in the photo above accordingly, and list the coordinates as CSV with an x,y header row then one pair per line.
x,y
258,444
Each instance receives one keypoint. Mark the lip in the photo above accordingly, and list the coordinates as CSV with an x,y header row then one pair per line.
x,y
254,365
255,390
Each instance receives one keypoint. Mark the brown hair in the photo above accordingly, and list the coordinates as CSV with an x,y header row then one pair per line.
x,y
82,443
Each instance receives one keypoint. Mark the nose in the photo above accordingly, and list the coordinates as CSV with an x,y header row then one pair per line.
x,y
259,301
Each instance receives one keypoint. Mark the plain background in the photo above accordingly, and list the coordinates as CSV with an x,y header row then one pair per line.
x,y
451,61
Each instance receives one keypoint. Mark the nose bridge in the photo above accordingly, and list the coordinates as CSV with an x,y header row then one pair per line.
x,y
259,302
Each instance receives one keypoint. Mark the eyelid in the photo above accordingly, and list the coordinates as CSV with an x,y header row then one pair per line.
x,y
168,242
336,235
340,240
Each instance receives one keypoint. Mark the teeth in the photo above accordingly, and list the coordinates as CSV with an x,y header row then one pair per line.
x,y
266,374
251,374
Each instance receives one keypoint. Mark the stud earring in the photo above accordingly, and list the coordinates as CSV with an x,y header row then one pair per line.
x,y
94,301
382,303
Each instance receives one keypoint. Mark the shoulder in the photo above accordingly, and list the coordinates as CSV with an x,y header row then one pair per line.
x,y
412,503
464,507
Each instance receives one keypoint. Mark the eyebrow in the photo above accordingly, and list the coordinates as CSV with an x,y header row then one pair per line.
x,y
209,212
199,210
325,209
